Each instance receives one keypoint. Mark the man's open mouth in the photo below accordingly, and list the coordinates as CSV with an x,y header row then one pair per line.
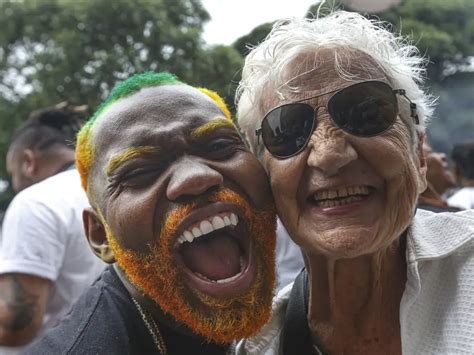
x,y
215,251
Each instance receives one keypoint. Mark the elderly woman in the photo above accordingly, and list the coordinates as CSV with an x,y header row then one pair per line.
x,y
335,111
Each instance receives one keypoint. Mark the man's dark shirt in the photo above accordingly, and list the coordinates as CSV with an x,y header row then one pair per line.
x,y
105,321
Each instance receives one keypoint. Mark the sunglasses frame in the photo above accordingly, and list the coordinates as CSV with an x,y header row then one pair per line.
x,y
401,92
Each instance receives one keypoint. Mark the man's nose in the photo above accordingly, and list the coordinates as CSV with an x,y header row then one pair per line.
x,y
190,177
330,150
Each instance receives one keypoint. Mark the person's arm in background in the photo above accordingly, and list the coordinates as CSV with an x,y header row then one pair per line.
x,y
31,252
23,300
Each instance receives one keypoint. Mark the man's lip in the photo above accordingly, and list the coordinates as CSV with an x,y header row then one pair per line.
x,y
205,212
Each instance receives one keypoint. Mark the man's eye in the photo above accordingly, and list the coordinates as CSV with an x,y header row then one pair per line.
x,y
221,149
140,176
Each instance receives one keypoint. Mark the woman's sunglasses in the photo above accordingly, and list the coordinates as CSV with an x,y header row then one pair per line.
x,y
364,109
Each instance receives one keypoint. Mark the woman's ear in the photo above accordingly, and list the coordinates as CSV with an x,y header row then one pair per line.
x,y
97,236
421,160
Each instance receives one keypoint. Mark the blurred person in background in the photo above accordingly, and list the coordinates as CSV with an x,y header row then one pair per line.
x,y
439,178
45,261
463,158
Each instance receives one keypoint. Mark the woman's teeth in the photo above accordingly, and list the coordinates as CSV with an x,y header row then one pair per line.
x,y
207,226
341,196
339,202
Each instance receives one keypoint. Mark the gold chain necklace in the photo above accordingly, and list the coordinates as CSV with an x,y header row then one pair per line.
x,y
152,328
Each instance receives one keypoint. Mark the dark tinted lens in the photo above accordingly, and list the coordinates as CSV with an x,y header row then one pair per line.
x,y
364,109
286,129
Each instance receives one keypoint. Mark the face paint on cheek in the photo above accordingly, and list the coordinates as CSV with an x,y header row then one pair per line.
x,y
219,319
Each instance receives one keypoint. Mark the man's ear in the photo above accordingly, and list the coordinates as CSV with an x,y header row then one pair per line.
x,y
97,236
29,164
422,166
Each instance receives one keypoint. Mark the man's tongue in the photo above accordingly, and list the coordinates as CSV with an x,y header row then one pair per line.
x,y
216,257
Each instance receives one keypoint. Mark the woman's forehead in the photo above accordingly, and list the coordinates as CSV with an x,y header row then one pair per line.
x,y
319,72
319,69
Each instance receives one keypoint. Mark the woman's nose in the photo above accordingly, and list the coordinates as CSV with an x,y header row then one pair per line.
x,y
330,150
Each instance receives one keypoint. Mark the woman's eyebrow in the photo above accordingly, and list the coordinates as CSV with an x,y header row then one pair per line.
x,y
129,154
211,126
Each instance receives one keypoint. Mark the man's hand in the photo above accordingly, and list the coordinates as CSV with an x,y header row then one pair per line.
x,y
23,301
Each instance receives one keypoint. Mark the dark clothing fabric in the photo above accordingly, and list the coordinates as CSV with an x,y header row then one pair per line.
x,y
296,336
105,321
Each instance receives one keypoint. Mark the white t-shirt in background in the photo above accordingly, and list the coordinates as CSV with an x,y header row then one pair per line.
x,y
464,198
43,235
289,260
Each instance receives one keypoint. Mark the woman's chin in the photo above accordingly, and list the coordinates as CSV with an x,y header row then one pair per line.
x,y
346,243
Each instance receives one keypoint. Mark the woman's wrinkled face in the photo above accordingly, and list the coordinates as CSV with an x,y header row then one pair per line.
x,y
345,196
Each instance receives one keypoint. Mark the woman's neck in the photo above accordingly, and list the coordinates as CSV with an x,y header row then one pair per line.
x,y
356,300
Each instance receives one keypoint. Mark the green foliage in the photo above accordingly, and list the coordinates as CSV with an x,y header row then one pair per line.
x,y
56,50
79,49
454,119
252,39
441,29
218,69
444,30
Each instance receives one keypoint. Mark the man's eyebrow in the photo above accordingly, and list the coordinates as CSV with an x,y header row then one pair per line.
x,y
211,126
128,154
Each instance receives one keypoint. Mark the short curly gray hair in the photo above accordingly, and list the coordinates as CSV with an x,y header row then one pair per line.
x,y
342,31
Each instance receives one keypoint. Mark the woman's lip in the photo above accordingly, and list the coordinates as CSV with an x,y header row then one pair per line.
x,y
341,209
335,187
228,289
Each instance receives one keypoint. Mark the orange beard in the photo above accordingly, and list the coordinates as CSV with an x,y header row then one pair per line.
x,y
221,320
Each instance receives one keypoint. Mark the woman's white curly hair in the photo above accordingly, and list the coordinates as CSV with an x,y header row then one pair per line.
x,y
344,32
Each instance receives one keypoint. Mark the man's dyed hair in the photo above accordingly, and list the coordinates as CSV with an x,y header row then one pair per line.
x,y
85,147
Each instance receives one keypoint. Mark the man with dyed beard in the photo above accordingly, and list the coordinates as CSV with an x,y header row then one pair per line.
x,y
183,212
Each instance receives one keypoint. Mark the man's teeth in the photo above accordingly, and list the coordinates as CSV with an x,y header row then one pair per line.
x,y
207,226
340,196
